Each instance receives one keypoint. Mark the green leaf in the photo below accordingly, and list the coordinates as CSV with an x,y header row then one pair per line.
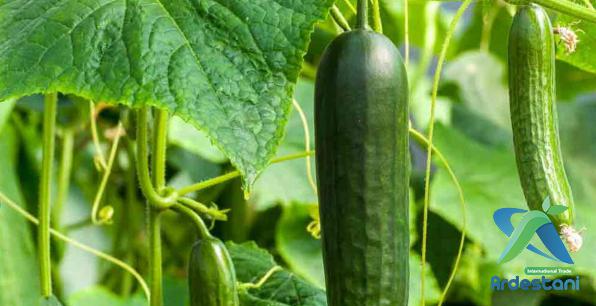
x,y
479,76
282,289
226,66
19,276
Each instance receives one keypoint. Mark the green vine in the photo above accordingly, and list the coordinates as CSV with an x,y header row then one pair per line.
x,y
160,133
100,159
424,141
435,89
569,8
160,137
142,165
64,173
103,219
196,220
14,206
155,257
234,174
339,19
45,194
377,23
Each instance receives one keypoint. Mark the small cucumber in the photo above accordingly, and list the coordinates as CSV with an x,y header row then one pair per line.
x,y
533,113
363,170
211,275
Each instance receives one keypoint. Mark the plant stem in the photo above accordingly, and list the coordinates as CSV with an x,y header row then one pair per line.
x,y
263,279
437,77
160,133
64,173
203,209
234,174
45,193
130,203
198,222
82,246
339,18
155,268
569,8
104,180
94,135
142,161
309,176
377,23
160,138
362,16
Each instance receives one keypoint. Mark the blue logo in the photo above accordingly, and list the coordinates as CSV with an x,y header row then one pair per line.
x,y
533,222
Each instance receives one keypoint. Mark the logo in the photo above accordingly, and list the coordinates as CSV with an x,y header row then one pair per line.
x,y
543,283
532,222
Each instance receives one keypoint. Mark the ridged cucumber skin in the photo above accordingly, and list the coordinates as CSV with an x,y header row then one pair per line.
x,y
532,95
211,275
362,157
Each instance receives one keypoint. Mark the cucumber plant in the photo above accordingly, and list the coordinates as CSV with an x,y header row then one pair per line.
x,y
229,68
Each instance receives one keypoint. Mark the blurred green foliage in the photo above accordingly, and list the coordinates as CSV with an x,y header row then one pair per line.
x,y
473,132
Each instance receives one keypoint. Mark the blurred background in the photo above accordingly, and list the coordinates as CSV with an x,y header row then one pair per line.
x,y
472,130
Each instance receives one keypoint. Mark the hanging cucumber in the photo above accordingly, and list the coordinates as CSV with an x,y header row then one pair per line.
x,y
361,131
534,117
211,275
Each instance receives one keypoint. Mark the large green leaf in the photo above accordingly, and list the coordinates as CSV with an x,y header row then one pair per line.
x,y
480,79
227,66
19,281
282,289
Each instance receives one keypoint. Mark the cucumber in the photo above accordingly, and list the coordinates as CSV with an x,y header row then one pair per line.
x,y
532,99
361,132
211,275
